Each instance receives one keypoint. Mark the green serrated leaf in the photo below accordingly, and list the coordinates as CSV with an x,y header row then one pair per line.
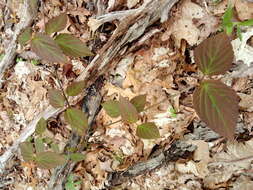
x,y
139,102
214,55
25,36
72,46
128,112
148,131
56,98
41,126
75,88
46,48
77,120
77,157
56,24
217,105
48,160
246,23
112,108
39,145
27,151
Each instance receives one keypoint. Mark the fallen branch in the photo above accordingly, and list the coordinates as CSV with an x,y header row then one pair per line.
x,y
128,30
178,149
27,16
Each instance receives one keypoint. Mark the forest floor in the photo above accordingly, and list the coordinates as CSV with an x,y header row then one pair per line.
x,y
159,64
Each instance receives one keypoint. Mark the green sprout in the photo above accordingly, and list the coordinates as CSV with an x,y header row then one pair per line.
x,y
1,56
34,62
173,112
228,25
71,184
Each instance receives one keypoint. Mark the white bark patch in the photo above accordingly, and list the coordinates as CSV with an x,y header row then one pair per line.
x,y
22,69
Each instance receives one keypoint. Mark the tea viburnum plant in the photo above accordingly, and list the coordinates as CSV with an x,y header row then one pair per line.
x,y
215,103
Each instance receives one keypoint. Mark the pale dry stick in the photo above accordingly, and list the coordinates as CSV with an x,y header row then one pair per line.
x,y
26,19
130,29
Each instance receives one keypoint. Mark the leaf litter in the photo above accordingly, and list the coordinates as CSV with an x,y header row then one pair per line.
x,y
155,71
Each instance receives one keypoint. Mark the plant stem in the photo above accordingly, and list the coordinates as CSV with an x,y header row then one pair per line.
x,y
59,82
113,123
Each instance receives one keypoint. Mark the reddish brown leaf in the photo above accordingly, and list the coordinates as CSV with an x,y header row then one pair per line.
x,y
127,110
48,160
112,108
27,151
25,36
148,131
139,102
67,70
46,48
72,46
56,24
214,55
217,105
56,99
75,88
77,120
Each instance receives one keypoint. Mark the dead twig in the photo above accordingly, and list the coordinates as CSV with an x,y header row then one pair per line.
x,y
27,16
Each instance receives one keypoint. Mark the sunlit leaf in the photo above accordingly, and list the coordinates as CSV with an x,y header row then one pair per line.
x,y
77,157
77,120
56,24
56,99
25,36
39,145
112,108
148,131
48,160
27,151
139,102
217,105
41,126
246,23
46,48
128,112
72,46
214,55
75,88
226,21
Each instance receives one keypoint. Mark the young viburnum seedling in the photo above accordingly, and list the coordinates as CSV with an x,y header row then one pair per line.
x,y
129,113
173,112
228,25
56,50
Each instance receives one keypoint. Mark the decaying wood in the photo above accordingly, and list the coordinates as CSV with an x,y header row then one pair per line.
x,y
27,16
129,29
178,149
